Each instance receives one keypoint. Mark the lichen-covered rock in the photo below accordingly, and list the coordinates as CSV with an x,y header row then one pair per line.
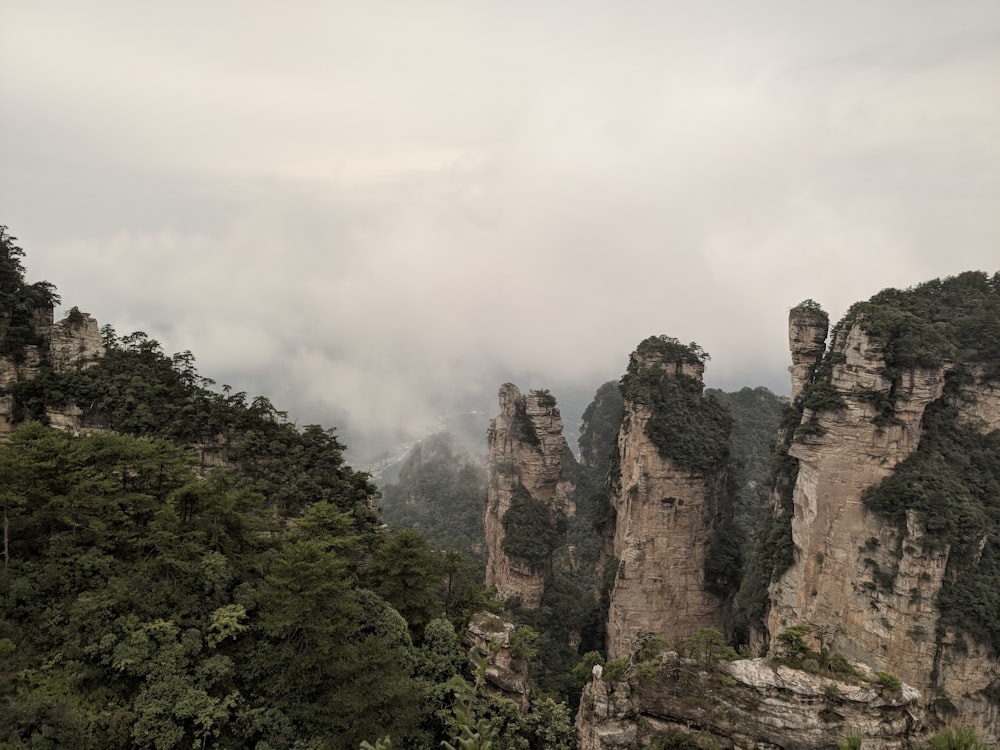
x,y
526,447
750,703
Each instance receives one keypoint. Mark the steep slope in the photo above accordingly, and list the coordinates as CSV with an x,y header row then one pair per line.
x,y
72,343
670,498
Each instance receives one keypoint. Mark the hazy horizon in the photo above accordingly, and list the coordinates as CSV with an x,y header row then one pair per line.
x,y
376,213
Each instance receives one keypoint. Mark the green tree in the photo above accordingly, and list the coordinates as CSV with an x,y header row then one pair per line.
x,y
407,574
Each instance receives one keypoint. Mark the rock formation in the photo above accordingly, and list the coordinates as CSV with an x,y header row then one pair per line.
x,y
869,586
74,341
526,497
807,330
750,703
669,497
506,672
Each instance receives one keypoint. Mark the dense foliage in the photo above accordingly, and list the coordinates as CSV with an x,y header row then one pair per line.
x,y
441,491
196,571
756,415
686,426
530,530
136,389
144,605
956,319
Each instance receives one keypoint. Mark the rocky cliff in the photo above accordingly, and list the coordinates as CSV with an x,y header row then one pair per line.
x,y
72,342
876,559
506,672
749,703
669,496
526,500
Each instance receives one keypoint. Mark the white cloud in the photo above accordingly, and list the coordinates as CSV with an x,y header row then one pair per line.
x,y
371,211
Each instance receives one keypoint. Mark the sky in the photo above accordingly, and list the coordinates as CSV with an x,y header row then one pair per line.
x,y
377,212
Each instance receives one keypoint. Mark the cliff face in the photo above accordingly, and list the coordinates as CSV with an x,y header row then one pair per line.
x,y
526,497
667,510
72,342
868,585
751,703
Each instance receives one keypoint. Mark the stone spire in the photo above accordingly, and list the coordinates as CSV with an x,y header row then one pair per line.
x,y
807,329
525,505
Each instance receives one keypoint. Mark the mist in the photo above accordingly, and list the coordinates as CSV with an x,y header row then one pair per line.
x,y
375,214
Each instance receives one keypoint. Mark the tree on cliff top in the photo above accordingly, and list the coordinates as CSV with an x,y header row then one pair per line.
x,y
686,426
19,300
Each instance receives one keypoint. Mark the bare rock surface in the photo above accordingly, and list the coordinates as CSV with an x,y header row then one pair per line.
x,y
506,674
750,703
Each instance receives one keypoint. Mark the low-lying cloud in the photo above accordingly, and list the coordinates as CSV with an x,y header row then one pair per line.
x,y
374,215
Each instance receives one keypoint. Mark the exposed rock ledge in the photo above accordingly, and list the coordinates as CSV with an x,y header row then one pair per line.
x,y
750,703
506,674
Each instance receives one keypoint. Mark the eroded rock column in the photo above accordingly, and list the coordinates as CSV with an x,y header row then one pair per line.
x,y
525,503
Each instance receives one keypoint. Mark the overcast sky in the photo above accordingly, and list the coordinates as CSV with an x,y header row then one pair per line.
x,y
374,211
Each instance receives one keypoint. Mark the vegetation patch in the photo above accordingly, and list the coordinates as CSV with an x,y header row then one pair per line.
x,y
530,531
522,426
599,428
708,647
724,561
20,302
687,427
791,649
773,550
953,482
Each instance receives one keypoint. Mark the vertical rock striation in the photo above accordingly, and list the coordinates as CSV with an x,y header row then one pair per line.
x,y
870,585
525,500
669,497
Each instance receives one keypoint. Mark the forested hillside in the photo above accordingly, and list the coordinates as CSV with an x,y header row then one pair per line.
x,y
440,492
184,567
193,570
